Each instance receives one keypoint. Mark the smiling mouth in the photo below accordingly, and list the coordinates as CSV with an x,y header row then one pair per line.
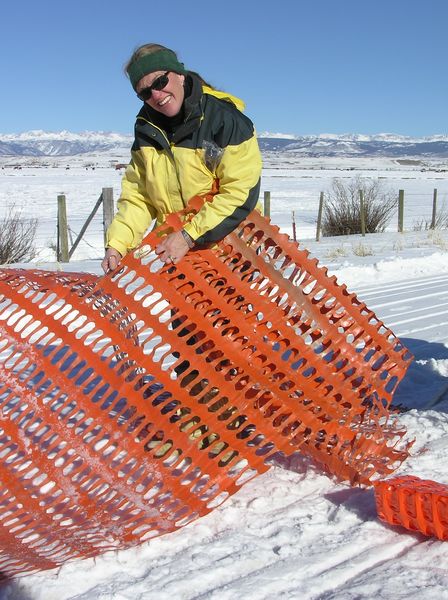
x,y
164,101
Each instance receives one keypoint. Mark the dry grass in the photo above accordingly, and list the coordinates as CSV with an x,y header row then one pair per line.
x,y
362,250
337,252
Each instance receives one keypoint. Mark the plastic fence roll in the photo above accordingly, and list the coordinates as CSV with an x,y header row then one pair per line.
x,y
131,404
416,504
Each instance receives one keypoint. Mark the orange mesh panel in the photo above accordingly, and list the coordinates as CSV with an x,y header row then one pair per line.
x,y
133,403
413,503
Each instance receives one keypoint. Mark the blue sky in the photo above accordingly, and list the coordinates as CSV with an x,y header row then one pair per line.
x,y
302,67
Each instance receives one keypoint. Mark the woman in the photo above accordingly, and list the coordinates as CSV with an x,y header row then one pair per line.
x,y
189,138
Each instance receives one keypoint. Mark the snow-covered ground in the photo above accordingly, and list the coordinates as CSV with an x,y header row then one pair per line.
x,y
295,184
292,533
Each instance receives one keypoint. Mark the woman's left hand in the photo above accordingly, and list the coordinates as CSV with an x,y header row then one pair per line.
x,y
173,248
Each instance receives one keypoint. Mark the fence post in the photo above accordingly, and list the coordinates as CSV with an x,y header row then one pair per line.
x,y
319,216
294,232
362,213
400,210
434,210
62,244
108,209
267,204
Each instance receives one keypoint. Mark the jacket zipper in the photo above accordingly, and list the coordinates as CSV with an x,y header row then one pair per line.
x,y
168,146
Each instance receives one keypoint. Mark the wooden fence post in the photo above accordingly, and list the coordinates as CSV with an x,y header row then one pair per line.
x,y
62,243
267,204
108,209
400,210
434,210
319,216
362,211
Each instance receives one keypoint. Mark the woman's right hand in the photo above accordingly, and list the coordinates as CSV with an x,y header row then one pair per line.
x,y
111,260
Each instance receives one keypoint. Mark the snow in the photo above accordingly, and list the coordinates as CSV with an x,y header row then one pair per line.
x,y
292,533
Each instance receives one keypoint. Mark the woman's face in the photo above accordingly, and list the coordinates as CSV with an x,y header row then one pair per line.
x,y
168,100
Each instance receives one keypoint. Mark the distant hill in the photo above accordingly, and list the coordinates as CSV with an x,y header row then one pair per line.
x,y
353,145
65,143
62,143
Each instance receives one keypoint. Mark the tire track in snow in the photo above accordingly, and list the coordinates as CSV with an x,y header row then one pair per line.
x,y
427,312
398,286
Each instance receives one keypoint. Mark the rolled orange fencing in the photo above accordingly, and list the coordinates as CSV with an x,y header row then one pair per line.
x,y
416,504
133,403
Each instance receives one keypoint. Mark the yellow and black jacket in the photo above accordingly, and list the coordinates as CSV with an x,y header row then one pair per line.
x,y
171,164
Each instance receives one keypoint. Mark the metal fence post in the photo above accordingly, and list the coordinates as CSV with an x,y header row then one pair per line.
x,y
319,216
434,210
362,210
294,232
108,209
400,210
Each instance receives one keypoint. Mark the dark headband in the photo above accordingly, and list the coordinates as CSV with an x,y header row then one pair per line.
x,y
162,60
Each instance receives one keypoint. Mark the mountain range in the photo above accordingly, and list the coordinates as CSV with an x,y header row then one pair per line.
x,y
65,143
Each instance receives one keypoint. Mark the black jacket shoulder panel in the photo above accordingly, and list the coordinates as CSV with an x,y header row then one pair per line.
x,y
226,123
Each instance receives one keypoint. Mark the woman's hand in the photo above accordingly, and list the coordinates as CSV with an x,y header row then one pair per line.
x,y
173,248
111,260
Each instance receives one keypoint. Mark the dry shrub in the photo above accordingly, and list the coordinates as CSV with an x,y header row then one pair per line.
x,y
342,208
441,221
17,238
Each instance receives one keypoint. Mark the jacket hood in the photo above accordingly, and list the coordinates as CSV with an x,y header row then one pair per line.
x,y
224,96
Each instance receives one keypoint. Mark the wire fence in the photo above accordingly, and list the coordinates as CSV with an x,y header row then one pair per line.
x,y
32,192
294,212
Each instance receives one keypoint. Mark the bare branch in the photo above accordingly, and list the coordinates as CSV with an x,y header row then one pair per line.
x,y
342,208
17,238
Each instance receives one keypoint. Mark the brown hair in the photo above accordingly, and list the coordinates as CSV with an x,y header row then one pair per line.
x,y
151,49
142,51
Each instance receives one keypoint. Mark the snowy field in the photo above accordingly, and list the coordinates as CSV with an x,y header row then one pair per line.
x,y
292,533
295,184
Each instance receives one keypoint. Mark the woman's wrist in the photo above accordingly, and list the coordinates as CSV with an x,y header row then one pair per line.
x,y
187,237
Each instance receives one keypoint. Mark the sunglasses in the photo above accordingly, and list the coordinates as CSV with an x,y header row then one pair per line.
x,y
158,84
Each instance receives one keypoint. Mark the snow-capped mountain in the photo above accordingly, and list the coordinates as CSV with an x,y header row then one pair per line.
x,y
62,143
66,143
350,145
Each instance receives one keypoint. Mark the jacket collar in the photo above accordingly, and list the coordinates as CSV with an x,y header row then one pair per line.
x,y
189,119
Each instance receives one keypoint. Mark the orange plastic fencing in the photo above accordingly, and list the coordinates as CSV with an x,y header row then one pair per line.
x,y
416,504
133,403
